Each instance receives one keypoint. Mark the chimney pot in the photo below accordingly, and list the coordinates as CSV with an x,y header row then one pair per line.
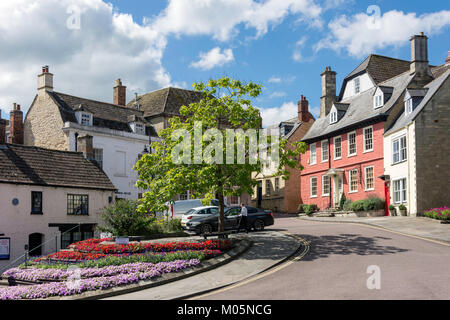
x,y
303,112
85,145
45,81
328,91
16,125
120,93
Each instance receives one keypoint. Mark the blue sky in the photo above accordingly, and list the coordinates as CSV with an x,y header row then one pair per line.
x,y
283,45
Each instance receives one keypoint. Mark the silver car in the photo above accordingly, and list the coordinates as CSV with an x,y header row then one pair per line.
x,y
197,213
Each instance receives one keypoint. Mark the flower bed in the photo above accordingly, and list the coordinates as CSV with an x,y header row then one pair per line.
x,y
98,247
96,280
442,213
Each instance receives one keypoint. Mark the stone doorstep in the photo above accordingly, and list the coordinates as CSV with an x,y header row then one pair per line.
x,y
207,265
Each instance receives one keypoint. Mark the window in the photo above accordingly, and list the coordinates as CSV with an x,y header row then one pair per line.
x,y
325,185
98,156
333,117
399,190
353,180
369,178
120,162
408,106
77,204
324,148
139,128
312,150
368,139
277,184
337,148
357,85
36,202
351,143
85,119
313,187
399,153
267,187
184,196
378,101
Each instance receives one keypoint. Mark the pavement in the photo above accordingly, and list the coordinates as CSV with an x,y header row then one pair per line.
x,y
269,249
413,226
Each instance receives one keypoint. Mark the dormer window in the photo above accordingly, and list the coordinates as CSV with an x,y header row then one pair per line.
x,y
84,118
139,128
333,117
378,101
357,84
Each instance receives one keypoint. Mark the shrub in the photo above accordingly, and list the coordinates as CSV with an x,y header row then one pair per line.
x,y
310,208
373,204
401,207
123,219
357,206
442,213
342,201
391,207
347,205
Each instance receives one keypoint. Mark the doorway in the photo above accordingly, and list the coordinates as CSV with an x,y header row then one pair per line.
x,y
35,244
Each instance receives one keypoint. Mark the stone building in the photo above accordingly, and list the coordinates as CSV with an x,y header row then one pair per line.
x,y
273,192
416,165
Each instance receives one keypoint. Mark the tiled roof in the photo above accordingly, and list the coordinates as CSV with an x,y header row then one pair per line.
x,y
105,114
38,166
165,101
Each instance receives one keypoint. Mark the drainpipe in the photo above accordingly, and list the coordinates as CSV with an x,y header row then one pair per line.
x,y
329,167
76,141
408,193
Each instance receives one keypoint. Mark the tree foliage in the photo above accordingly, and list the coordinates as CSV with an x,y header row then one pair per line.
x,y
225,104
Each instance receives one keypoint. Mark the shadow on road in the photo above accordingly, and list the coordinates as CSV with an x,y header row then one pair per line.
x,y
346,244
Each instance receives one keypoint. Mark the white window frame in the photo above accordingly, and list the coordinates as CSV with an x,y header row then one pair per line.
x,y
408,106
348,144
400,149
268,187
350,175
311,187
323,185
333,117
322,151
98,156
357,85
84,115
403,197
365,178
340,147
311,162
364,139
139,128
277,184
378,101
187,193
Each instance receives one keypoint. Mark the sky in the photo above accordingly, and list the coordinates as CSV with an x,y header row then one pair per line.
x,y
283,45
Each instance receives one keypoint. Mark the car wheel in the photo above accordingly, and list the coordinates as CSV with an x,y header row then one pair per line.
x,y
206,228
258,225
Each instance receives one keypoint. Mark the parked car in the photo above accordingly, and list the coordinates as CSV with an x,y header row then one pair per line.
x,y
180,207
198,213
258,219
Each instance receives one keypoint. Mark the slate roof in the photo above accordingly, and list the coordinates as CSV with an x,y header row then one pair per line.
x,y
38,166
105,114
360,110
165,101
432,87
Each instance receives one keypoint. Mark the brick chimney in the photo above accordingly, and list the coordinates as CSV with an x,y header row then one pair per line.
x,y
120,93
328,91
45,81
447,60
2,130
419,57
303,112
16,125
85,145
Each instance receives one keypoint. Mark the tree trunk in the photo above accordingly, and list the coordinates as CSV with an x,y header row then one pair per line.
x,y
221,212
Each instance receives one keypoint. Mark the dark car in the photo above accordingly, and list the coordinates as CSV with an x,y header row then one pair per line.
x,y
257,220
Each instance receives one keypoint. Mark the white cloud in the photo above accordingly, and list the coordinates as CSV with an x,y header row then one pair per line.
x,y
213,58
287,110
278,94
297,54
274,79
85,61
362,34
278,79
221,18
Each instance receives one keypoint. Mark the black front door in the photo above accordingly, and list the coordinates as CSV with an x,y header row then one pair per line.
x,y
35,244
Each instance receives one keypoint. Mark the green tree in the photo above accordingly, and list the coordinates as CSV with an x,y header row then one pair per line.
x,y
206,169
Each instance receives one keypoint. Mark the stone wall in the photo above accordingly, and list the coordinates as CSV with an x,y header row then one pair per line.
x,y
43,125
433,151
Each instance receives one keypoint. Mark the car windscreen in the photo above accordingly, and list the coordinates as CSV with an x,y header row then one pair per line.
x,y
191,211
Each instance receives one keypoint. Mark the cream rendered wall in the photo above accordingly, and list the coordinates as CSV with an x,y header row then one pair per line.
x,y
405,169
18,223
365,84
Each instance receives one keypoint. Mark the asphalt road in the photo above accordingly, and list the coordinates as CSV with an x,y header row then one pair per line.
x,y
337,264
